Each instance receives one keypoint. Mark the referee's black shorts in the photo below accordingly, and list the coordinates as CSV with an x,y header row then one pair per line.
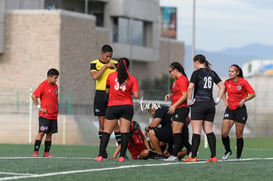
x,y
204,111
120,111
238,115
100,103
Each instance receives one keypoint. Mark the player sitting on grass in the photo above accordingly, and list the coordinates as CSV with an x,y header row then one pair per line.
x,y
138,145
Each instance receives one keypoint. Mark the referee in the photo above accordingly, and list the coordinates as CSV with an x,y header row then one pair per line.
x,y
99,70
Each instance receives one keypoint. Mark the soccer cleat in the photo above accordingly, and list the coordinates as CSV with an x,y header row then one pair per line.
x,y
226,155
159,157
213,159
239,159
46,154
171,158
121,159
190,159
35,154
181,154
98,158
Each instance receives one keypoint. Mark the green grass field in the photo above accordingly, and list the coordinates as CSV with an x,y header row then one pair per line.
x,y
76,163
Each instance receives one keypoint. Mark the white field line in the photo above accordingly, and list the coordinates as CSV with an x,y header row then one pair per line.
x,y
22,176
13,173
71,158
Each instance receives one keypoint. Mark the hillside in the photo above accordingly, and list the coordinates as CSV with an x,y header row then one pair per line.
x,y
223,59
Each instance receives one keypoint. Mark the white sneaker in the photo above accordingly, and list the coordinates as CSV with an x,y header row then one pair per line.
x,y
239,159
171,158
226,155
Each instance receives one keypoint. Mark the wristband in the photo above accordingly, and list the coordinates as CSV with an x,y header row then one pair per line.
x,y
39,106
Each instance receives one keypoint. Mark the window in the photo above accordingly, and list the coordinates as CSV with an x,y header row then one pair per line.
x,y
131,31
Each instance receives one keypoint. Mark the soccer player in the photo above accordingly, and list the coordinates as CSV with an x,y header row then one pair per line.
x,y
163,134
203,106
99,70
179,107
239,91
120,85
138,146
47,91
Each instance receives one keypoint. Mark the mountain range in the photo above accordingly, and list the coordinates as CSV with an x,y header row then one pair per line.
x,y
221,60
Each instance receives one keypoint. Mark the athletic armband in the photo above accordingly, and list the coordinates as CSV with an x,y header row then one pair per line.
x,y
217,100
191,101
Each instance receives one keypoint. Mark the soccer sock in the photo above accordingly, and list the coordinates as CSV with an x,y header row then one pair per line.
x,y
177,143
47,146
195,144
226,143
125,137
118,137
212,144
37,145
103,143
100,135
240,145
185,139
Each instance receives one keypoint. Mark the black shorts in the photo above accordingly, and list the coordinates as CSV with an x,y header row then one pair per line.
x,y
238,115
164,134
100,103
120,111
48,125
180,114
204,111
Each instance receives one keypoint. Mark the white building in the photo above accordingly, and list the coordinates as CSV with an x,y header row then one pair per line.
x,y
258,67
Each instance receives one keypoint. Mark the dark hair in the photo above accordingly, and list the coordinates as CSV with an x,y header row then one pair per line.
x,y
134,126
202,60
123,70
52,72
238,68
179,67
106,48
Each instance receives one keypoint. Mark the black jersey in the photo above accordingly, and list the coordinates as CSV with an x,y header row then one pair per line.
x,y
203,80
162,113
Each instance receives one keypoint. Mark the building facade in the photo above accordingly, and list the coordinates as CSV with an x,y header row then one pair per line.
x,y
36,35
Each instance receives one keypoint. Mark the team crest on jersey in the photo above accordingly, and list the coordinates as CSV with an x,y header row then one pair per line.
x,y
239,87
49,90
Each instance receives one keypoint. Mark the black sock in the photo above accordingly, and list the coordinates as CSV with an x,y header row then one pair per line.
x,y
226,143
103,143
47,146
118,137
37,145
177,143
125,137
100,135
212,144
195,144
240,145
185,139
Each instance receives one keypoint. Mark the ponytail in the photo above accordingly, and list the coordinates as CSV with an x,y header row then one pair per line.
x,y
202,60
123,74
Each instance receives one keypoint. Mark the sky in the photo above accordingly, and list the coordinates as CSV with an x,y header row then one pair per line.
x,y
222,24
